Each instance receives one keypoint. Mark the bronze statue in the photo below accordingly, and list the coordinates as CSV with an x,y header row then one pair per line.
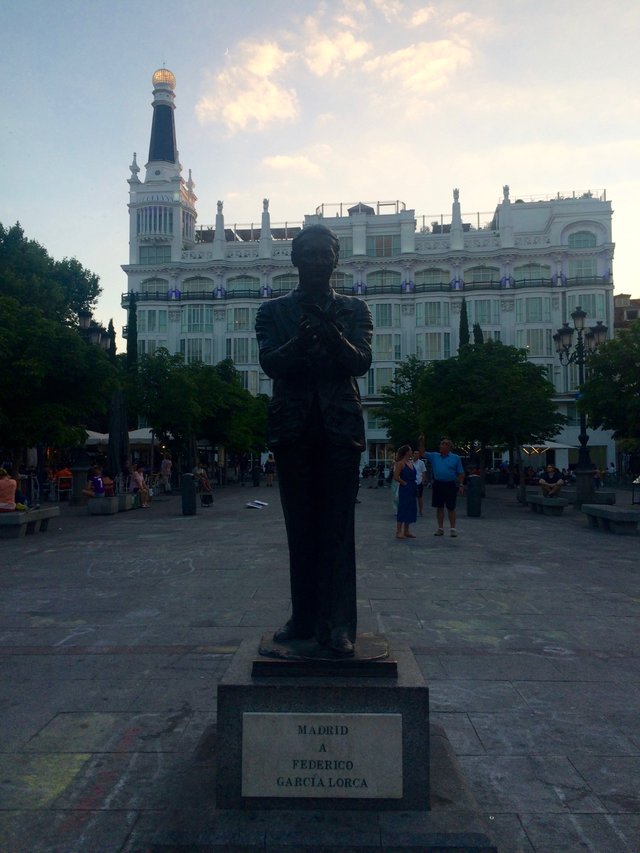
x,y
313,342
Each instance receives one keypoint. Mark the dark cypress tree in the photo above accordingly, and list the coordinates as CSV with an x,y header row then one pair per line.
x,y
478,337
112,341
463,333
132,332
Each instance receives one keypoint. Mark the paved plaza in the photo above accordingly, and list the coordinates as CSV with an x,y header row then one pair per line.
x,y
115,630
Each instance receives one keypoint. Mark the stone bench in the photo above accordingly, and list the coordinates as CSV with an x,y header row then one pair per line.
x,y
613,519
103,506
600,496
547,506
16,524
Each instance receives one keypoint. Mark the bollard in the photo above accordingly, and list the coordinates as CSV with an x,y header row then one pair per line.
x,y
188,494
474,496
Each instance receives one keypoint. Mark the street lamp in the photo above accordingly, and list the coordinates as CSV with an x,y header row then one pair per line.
x,y
587,341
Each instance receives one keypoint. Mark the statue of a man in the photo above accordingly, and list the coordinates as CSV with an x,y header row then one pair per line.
x,y
313,342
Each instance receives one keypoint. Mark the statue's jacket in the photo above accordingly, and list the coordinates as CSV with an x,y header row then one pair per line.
x,y
317,378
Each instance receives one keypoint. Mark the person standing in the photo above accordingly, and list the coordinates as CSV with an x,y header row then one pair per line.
x,y
405,476
421,479
313,342
448,483
165,473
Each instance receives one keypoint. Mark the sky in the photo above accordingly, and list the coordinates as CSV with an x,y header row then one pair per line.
x,y
315,102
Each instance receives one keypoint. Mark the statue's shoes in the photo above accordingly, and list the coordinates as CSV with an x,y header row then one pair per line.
x,y
341,643
289,632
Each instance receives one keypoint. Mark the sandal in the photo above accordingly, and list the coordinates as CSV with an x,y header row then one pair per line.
x,y
400,536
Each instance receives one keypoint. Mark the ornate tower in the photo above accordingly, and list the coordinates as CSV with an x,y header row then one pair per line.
x,y
162,212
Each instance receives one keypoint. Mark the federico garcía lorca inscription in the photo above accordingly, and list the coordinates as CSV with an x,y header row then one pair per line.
x,y
322,755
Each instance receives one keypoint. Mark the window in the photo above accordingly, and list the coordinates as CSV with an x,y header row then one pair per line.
x,y
532,272
592,303
386,314
384,278
384,377
582,240
446,348
383,246
154,285
242,350
197,285
341,281
197,318
533,309
485,311
429,346
284,283
432,276
346,246
242,283
537,342
191,349
387,347
582,268
432,314
374,421
154,220
150,255
240,319
249,380
482,275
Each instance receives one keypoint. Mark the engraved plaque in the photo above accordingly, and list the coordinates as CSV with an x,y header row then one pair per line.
x,y
322,755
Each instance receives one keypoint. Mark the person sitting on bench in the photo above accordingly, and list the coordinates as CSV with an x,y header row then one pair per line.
x,y
551,482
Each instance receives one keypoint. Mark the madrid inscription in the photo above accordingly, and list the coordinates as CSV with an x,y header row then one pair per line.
x,y
322,755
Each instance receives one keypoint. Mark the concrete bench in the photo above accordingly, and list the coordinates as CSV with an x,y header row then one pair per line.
x,y
547,506
103,506
600,496
613,519
16,524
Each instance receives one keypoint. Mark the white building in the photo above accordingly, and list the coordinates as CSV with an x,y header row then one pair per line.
x,y
522,270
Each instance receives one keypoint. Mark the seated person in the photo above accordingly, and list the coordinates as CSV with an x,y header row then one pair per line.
x,y
551,482
95,485
7,492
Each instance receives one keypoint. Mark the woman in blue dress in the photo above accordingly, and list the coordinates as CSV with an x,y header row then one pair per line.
x,y
405,475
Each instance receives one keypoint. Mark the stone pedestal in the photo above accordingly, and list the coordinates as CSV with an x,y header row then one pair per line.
x,y
320,742
125,501
102,506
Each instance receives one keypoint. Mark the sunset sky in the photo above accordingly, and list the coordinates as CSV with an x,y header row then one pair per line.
x,y
315,102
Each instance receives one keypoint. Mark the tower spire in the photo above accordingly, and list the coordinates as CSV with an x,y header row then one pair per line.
x,y
162,146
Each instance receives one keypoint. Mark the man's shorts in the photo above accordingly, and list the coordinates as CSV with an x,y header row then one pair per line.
x,y
444,493
419,489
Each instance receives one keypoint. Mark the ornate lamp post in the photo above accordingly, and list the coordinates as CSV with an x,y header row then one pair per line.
x,y
587,341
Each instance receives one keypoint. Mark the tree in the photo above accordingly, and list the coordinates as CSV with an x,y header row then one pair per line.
x,y
478,337
610,395
400,403
489,394
60,289
51,381
463,333
132,332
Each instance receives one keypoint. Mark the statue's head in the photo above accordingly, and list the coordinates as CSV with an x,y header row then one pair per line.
x,y
314,240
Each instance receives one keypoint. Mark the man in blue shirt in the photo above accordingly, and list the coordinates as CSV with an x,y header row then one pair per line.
x,y
448,483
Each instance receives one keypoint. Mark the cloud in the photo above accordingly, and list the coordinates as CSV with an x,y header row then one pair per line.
x,y
245,94
421,67
331,54
421,16
299,164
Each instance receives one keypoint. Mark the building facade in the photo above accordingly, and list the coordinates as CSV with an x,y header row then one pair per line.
x,y
522,269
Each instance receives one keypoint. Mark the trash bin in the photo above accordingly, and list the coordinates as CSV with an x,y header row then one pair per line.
x,y
188,494
474,496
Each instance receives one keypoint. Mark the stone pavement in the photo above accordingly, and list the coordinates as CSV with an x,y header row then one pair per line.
x,y
114,631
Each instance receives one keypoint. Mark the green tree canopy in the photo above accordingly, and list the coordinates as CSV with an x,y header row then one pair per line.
x,y
611,394
59,289
182,402
51,381
488,394
400,410
463,328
